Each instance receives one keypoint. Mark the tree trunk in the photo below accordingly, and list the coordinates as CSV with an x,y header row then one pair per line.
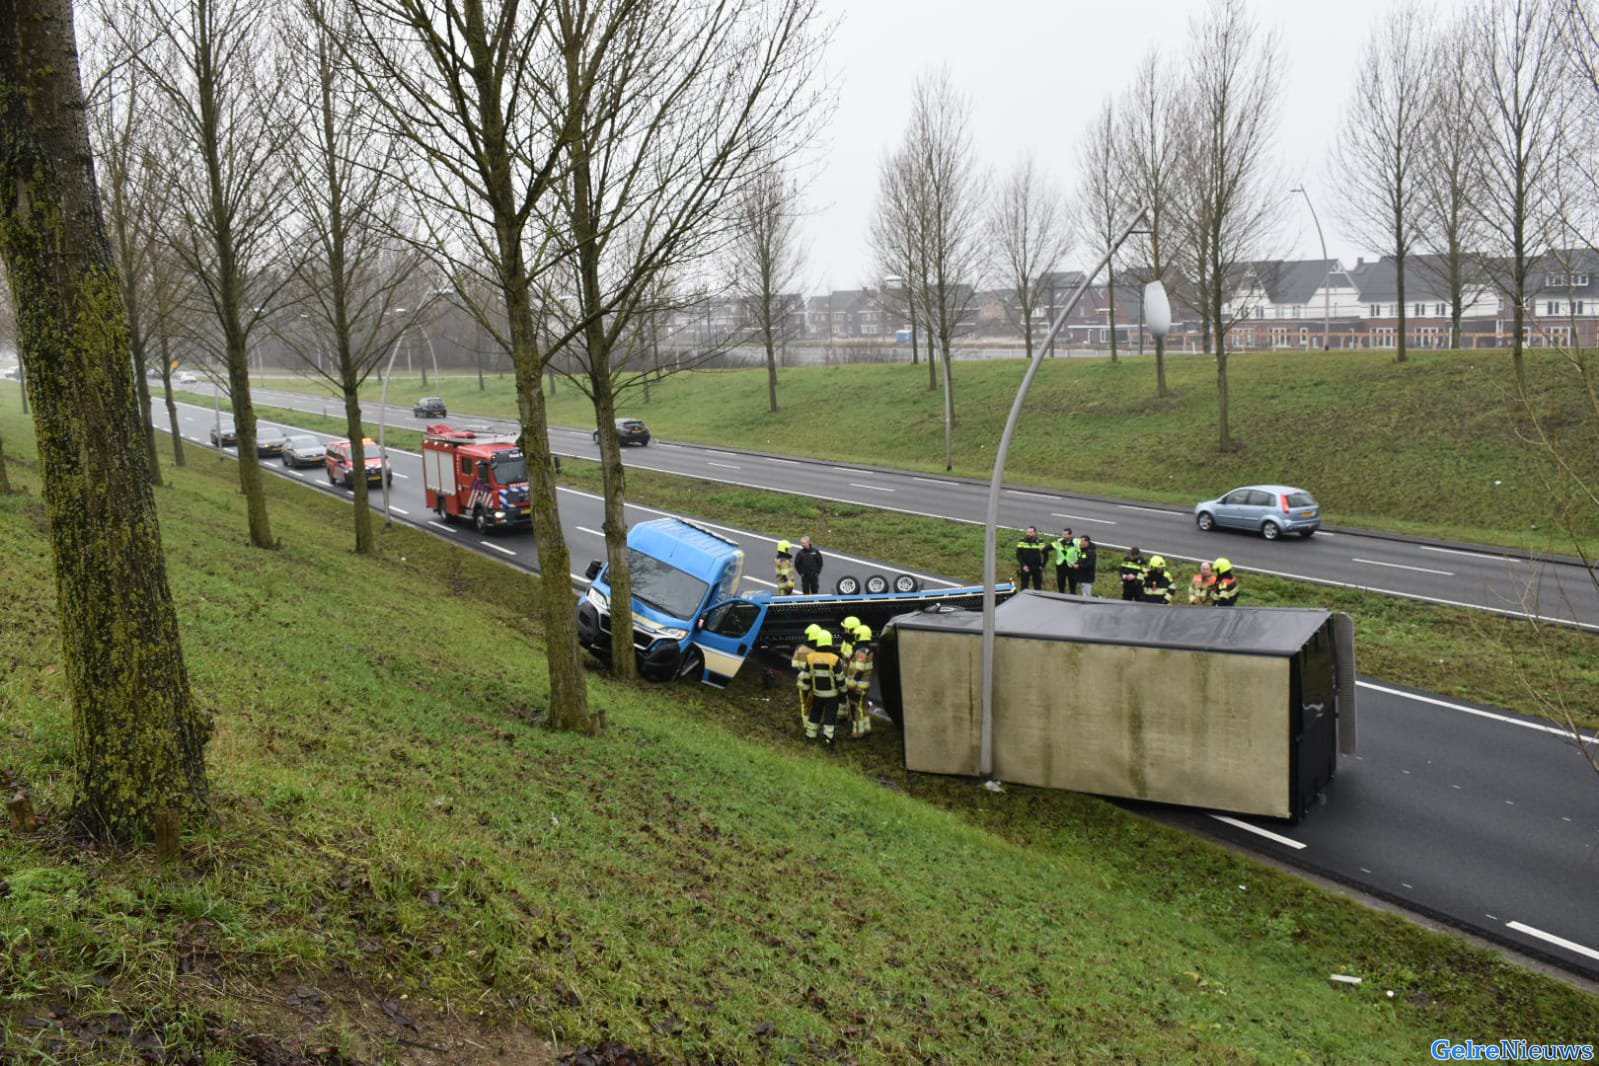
x,y
1160,366
172,407
1399,292
5,478
949,409
771,362
1219,338
353,428
1110,293
138,737
141,379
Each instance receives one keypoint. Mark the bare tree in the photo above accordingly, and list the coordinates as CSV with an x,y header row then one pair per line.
x,y
352,276
119,102
766,260
896,240
139,737
1147,168
1518,69
213,63
1449,174
666,112
941,166
461,84
1228,205
1028,233
1377,158
1102,201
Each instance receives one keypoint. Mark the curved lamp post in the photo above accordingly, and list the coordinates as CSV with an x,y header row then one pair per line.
x,y
1326,282
383,424
1158,313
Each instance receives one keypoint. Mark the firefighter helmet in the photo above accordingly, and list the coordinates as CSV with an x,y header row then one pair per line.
x,y
1222,566
824,639
851,623
784,547
1157,562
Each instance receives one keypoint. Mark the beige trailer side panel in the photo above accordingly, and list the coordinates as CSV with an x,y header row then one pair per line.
x,y
941,678
1196,728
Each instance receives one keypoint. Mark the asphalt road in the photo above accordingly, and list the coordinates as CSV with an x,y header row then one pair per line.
x,y
1476,816
1559,590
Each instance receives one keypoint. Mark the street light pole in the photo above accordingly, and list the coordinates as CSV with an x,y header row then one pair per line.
x,y
1326,283
383,423
991,520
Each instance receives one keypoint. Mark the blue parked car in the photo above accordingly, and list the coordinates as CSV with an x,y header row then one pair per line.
x,y
1270,510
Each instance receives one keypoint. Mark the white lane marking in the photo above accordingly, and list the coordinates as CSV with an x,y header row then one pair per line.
x,y
1033,495
759,581
441,525
1268,834
496,547
399,510
785,462
1324,533
294,473
1555,730
844,469
397,474
1402,566
1082,518
935,481
724,466
874,488
1484,556
591,532
1151,510
1558,941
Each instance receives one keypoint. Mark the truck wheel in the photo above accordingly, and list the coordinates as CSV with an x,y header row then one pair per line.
x,y
876,584
847,585
905,583
480,520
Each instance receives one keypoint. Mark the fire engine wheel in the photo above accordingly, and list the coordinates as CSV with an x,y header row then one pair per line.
x,y
480,519
876,584
904,583
847,585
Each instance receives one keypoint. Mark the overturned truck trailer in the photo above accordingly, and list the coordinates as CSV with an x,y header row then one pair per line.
x,y
1242,709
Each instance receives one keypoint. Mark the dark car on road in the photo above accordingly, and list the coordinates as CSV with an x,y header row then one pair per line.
x,y
430,407
270,442
303,450
629,431
223,434
1270,510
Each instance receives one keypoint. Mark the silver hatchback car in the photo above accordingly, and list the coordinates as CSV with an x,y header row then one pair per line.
x,y
1270,510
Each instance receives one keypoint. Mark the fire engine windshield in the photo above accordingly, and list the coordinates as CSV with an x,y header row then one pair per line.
x,y
664,587
508,470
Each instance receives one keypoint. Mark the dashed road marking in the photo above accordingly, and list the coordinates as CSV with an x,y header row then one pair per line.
x,y
1402,566
441,525
1550,938
1082,518
496,547
1258,831
873,488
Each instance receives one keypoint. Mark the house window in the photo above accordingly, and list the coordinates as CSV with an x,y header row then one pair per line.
x,y
1579,281
1393,310
1376,310
1295,312
1552,307
1440,310
1279,311
1421,309
1260,312
1576,307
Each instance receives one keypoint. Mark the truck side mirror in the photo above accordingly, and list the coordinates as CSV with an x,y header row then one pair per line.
x,y
593,571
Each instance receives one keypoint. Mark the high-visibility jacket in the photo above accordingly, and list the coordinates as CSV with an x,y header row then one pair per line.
x,y
1226,589
1157,587
1132,572
785,576
858,677
1030,554
1202,590
822,675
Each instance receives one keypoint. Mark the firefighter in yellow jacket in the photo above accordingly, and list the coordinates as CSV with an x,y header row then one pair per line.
x,y
858,680
822,677
785,568
801,653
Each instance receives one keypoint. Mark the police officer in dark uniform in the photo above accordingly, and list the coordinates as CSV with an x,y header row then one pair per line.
x,y
1030,560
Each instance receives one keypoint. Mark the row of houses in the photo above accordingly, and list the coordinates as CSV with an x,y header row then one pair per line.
x,y
1284,304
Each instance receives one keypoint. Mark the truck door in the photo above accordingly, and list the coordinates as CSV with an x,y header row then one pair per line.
x,y
726,635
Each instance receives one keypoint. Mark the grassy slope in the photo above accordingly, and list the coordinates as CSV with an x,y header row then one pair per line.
x,y
392,821
1427,447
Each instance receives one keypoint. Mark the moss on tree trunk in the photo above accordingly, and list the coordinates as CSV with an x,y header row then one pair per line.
x,y
139,739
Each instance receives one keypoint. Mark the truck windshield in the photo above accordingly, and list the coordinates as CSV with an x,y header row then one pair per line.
x,y
664,587
510,471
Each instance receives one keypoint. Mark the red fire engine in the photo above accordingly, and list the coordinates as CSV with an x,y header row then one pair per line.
x,y
475,476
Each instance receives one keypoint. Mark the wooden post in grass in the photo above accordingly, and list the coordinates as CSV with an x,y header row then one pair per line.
x,y
20,807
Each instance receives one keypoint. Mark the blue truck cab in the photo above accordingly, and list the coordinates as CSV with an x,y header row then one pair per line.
x,y
687,615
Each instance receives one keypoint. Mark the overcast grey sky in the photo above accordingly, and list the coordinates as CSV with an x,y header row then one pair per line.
x,y
1036,72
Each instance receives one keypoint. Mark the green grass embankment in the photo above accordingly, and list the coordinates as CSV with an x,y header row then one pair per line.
x,y
393,827
1434,446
